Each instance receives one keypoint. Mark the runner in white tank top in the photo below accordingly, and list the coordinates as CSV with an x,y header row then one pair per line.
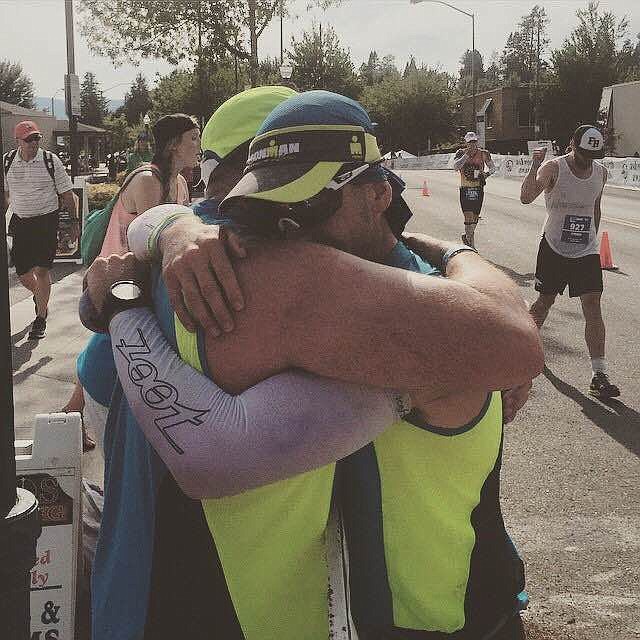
x,y
570,228
568,254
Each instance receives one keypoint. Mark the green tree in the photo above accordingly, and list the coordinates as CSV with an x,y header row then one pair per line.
x,y
137,100
522,58
321,62
414,110
465,83
181,91
178,30
121,133
15,86
377,69
595,55
93,104
410,68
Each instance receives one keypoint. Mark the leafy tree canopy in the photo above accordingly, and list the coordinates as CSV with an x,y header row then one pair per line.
x,y
413,110
137,101
15,86
321,62
93,104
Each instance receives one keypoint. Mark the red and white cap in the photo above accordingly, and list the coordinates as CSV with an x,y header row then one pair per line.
x,y
26,128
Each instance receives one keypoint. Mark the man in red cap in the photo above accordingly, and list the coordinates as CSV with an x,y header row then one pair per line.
x,y
36,182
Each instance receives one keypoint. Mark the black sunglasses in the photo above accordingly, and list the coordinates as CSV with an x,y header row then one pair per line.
x,y
33,137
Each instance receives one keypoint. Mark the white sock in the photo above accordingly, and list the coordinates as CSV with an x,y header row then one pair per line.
x,y
598,365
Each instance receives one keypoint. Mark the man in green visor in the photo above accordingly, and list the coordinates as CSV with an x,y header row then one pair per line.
x,y
421,562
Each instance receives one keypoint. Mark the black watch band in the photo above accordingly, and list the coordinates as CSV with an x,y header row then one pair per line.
x,y
123,295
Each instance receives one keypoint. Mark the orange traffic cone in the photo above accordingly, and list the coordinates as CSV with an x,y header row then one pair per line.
x,y
606,257
425,189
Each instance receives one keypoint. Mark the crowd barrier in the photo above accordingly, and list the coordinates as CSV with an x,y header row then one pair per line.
x,y
623,172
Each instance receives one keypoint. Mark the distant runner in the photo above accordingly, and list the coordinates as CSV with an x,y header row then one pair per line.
x,y
568,252
470,162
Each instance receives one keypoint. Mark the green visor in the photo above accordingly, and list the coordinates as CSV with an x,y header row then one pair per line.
x,y
294,164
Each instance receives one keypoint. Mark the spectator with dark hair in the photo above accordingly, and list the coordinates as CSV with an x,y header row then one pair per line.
x,y
177,139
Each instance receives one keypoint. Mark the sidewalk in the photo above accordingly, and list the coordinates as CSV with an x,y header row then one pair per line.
x,y
44,371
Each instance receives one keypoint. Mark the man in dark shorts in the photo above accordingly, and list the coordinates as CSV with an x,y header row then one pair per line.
x,y
568,252
470,163
36,180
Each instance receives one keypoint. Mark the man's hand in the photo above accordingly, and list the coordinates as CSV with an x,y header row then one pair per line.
x,y
105,271
428,248
538,156
513,400
200,279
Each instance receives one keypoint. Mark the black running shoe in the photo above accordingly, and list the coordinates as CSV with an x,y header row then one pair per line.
x,y
38,329
602,388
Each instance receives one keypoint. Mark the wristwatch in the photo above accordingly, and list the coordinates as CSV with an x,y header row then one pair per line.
x,y
454,251
123,295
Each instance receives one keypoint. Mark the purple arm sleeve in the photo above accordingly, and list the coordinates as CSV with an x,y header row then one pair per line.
x,y
216,444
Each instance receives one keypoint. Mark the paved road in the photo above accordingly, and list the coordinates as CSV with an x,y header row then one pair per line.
x,y
571,473
570,481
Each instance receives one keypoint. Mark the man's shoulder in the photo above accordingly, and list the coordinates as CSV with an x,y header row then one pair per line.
x,y
459,153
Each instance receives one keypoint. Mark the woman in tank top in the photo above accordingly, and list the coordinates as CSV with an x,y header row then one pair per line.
x,y
177,146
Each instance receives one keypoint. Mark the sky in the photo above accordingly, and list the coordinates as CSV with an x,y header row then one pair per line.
x,y
32,32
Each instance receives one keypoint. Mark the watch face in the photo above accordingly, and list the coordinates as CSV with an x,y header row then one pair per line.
x,y
126,291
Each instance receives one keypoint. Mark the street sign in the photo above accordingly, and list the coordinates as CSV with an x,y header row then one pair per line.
x,y
72,94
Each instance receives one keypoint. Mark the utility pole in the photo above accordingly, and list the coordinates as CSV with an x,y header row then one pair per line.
x,y
71,87
321,60
281,38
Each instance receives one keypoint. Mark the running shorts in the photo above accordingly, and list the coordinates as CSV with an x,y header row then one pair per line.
x,y
554,272
471,199
34,241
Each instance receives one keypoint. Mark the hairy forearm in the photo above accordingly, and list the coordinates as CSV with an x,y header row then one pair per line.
x,y
360,321
530,188
216,444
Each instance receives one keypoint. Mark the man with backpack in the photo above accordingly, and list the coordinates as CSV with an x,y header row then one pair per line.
x,y
36,182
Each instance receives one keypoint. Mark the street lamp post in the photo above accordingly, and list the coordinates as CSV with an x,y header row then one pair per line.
x,y
53,97
473,49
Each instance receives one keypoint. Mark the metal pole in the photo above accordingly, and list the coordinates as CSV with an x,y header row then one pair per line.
x,y
473,67
7,457
281,45
71,70
19,516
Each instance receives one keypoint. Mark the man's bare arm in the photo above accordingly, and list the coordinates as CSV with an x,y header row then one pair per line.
x,y
597,208
539,177
333,314
459,159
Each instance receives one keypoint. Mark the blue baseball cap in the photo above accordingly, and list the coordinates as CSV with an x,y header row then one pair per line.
x,y
302,144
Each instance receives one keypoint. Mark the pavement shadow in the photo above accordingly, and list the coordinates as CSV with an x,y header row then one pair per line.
x,y
521,279
21,353
623,425
21,376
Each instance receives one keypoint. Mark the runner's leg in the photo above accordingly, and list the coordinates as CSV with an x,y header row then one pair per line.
x,y
539,310
470,224
594,331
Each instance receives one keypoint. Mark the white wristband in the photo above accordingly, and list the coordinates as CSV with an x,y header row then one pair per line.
x,y
143,232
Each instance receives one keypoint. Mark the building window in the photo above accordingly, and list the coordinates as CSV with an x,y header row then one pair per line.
x,y
523,112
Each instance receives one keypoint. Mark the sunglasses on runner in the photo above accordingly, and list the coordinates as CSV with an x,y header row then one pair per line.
x,y
33,137
274,218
